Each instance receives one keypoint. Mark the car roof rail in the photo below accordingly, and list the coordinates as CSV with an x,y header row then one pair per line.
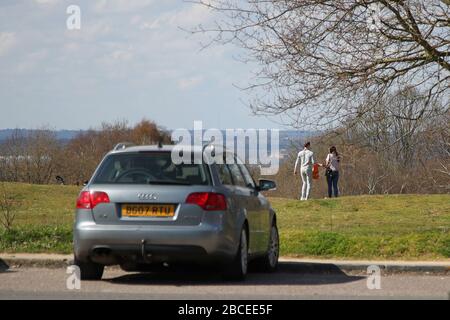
x,y
123,145
214,147
205,144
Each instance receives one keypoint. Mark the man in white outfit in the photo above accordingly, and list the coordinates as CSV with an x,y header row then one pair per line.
x,y
305,159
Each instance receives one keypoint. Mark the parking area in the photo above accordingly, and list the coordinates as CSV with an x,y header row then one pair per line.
x,y
51,283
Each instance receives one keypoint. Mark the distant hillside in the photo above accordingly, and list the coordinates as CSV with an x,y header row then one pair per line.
x,y
60,134
287,137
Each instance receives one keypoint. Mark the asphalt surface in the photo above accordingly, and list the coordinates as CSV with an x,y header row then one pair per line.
x,y
50,283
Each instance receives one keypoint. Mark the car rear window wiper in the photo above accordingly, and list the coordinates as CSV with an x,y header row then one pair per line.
x,y
170,182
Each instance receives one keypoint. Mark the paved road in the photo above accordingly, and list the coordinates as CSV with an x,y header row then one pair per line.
x,y
43,283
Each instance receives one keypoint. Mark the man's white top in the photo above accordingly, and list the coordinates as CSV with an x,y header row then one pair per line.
x,y
333,162
305,158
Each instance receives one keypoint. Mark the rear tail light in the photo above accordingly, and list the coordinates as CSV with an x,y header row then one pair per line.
x,y
89,200
208,201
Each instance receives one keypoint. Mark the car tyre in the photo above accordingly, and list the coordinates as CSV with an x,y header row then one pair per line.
x,y
90,270
269,262
237,270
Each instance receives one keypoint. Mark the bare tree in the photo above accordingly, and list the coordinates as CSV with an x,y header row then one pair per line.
x,y
438,133
395,124
8,207
147,132
85,150
12,152
320,58
29,156
42,149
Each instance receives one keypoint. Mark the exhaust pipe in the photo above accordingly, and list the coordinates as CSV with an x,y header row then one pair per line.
x,y
102,251
103,255
145,256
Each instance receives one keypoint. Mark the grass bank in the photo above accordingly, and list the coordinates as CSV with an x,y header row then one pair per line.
x,y
366,227
408,227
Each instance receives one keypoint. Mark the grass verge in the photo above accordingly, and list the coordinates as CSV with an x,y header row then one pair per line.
x,y
409,227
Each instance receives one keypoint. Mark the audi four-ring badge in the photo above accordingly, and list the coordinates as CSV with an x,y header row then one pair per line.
x,y
147,196
140,210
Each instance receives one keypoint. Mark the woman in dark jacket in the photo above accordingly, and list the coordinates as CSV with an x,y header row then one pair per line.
x,y
332,165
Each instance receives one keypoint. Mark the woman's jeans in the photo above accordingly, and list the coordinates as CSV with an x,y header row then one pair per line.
x,y
306,174
332,181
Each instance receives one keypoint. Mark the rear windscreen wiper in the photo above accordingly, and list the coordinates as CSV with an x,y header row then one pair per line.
x,y
169,182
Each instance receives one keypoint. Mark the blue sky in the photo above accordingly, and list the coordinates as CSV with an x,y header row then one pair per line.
x,y
130,60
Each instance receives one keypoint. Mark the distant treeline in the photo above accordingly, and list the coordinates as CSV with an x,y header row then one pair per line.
x,y
381,153
400,146
38,156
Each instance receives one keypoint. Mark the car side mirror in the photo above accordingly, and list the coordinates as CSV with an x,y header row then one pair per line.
x,y
266,185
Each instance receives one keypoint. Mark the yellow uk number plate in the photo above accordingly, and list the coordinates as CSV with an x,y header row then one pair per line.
x,y
148,210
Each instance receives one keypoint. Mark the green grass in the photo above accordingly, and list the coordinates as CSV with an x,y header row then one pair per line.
x,y
408,227
43,221
37,239
366,227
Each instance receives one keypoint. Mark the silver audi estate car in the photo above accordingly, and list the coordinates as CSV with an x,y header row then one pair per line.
x,y
140,209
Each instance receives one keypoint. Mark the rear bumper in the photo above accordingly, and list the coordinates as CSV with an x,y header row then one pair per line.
x,y
114,244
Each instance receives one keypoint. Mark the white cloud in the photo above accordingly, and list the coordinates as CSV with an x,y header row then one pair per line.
x,y
50,2
31,61
187,17
164,30
102,6
119,55
7,41
188,83
91,32
71,47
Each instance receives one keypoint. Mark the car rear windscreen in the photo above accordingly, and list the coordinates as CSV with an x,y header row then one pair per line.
x,y
149,168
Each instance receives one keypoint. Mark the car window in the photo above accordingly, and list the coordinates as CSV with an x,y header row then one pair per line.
x,y
224,174
247,176
149,168
238,179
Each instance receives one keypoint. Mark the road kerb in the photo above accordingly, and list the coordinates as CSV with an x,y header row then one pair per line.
x,y
287,264
333,266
